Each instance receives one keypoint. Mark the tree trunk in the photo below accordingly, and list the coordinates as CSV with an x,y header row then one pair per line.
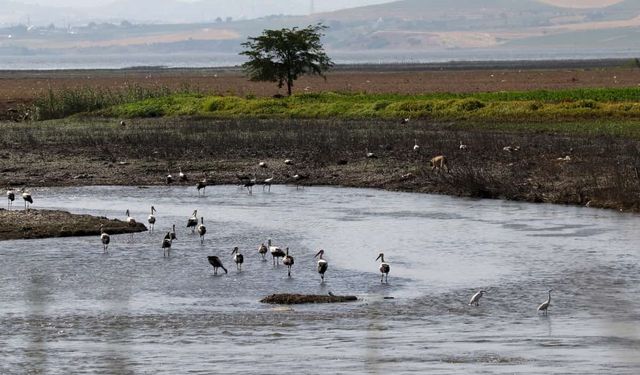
x,y
289,85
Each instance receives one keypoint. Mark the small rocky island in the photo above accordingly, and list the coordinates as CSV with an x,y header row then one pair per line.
x,y
21,224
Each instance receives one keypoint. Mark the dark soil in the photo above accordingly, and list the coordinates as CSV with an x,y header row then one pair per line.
x,y
291,299
21,224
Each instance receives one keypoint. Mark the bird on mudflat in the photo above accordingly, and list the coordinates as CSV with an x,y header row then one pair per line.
x,y
238,258
216,263
322,264
288,261
384,268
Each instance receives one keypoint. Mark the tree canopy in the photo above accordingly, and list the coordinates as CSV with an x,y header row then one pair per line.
x,y
284,55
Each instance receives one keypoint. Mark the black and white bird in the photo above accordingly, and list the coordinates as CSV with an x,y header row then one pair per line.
x,y
201,230
152,218
11,196
544,306
262,250
267,182
249,185
384,268
416,147
298,178
237,258
169,178
122,123
216,263
288,261
275,251
262,164
462,146
27,199
370,155
202,185
322,264
166,244
131,222
104,238
475,300
181,176
192,222
288,161
405,121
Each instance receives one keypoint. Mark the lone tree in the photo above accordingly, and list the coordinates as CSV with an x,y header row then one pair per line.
x,y
284,55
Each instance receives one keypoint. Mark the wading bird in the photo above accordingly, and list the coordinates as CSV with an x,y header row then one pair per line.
x,y
104,238
544,306
192,222
11,196
173,232
131,222
267,182
275,251
202,230
169,178
416,148
152,219
216,263
322,264
476,298
27,199
384,268
249,185
181,176
238,258
288,261
166,244
262,250
202,185
298,178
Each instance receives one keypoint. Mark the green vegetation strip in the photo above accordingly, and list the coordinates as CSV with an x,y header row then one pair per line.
x,y
532,106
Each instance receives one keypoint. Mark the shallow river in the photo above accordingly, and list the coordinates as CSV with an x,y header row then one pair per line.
x,y
65,307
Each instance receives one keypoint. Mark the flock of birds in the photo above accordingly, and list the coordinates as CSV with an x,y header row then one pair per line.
x,y
276,252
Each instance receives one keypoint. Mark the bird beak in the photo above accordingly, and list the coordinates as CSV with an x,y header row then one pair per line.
x,y
378,257
318,253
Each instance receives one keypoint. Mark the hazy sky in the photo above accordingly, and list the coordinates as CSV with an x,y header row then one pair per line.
x,y
320,5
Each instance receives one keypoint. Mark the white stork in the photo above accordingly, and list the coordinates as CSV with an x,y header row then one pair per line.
x,y
27,199
384,268
181,176
275,251
288,261
322,264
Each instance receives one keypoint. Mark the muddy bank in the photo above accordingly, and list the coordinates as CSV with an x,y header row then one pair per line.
x,y
21,224
291,299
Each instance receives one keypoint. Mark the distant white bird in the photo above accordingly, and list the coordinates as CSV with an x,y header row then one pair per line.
x,y
169,178
11,196
405,121
384,268
131,222
262,250
476,298
104,238
202,229
288,261
152,219
288,161
322,264
462,146
262,164
416,148
237,258
544,306
181,176
370,155
27,199
298,178
192,222
122,123
267,182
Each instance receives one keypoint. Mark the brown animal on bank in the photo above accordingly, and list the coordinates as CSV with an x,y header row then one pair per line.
x,y
439,162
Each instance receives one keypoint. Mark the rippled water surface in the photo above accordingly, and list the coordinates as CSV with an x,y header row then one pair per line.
x,y
65,307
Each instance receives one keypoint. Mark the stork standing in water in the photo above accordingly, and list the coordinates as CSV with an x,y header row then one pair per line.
x,y
298,178
322,264
166,245
544,306
173,232
181,176
288,261
262,250
384,268
152,219
267,182
249,185
131,222
216,263
104,238
192,222
11,196
476,298
202,230
238,258
275,251
27,199
202,185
